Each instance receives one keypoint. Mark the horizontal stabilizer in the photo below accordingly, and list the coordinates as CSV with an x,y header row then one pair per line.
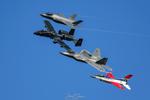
x,y
102,61
127,86
79,42
77,22
128,77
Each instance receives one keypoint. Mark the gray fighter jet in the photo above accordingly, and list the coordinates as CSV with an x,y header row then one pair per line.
x,y
58,18
95,60
51,33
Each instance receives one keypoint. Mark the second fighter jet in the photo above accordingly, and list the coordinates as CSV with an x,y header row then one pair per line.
x,y
95,60
62,35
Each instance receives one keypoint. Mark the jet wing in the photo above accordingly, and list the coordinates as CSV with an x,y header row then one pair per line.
x,y
98,67
110,75
94,56
64,45
70,25
101,68
85,54
49,26
118,85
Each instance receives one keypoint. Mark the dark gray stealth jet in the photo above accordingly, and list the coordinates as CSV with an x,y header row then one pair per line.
x,y
51,33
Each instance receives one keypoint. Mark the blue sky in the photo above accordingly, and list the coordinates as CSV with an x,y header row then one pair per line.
x,y
31,67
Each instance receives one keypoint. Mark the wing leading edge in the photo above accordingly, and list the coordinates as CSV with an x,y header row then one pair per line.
x,y
49,26
64,45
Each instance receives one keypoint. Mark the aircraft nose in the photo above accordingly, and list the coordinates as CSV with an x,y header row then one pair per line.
x,y
43,15
36,33
92,76
46,14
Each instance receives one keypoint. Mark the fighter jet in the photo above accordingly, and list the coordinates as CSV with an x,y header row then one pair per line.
x,y
51,33
62,34
95,60
109,78
58,18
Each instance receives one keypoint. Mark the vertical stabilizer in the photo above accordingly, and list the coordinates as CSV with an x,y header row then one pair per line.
x,y
126,78
72,17
79,42
71,32
96,53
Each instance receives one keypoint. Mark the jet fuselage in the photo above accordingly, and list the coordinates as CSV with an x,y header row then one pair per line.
x,y
109,80
73,56
44,34
52,36
88,59
57,18
67,37
117,82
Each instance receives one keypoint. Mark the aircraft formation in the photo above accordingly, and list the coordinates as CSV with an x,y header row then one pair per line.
x,y
93,59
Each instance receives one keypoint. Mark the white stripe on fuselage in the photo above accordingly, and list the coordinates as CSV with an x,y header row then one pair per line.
x,y
124,83
110,80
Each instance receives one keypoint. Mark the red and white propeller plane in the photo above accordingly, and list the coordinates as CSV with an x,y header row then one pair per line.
x,y
109,78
